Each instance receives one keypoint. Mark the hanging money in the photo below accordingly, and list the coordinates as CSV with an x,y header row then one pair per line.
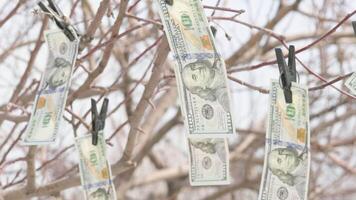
x,y
209,161
95,171
200,70
52,94
351,83
287,157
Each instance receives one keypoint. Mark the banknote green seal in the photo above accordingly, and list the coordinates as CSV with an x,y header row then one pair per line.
x,y
186,21
290,111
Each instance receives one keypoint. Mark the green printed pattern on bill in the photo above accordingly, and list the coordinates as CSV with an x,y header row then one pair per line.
x,y
95,171
209,161
287,157
200,70
52,94
351,83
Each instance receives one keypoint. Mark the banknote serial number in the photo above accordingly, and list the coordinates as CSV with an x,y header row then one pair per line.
x,y
198,56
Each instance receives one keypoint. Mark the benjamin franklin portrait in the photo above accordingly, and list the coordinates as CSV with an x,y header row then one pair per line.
x,y
289,167
210,146
99,194
58,74
206,80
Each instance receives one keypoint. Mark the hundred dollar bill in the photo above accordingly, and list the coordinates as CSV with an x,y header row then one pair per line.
x,y
351,83
52,94
95,170
200,70
209,161
287,157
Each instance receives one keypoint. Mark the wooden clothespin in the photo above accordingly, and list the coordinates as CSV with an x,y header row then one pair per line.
x,y
288,73
52,10
98,120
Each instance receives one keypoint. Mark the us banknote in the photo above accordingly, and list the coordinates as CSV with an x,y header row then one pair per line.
x,y
95,171
51,97
287,153
351,83
200,70
209,161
